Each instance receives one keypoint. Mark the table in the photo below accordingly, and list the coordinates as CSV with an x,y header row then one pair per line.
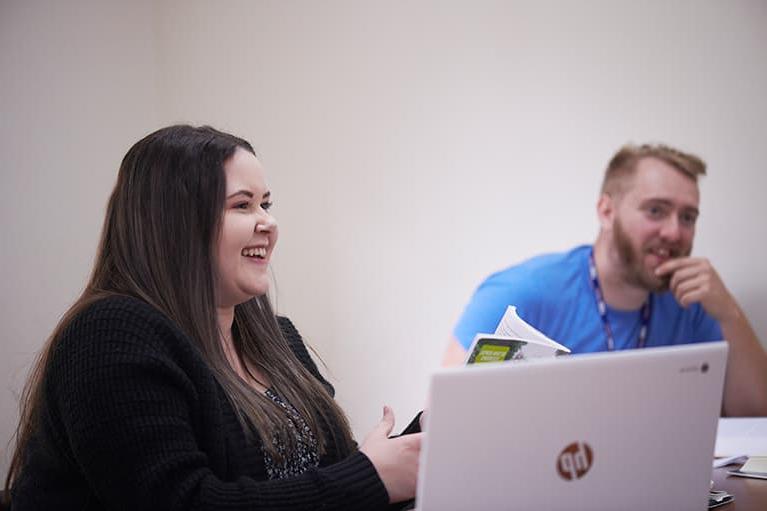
x,y
750,494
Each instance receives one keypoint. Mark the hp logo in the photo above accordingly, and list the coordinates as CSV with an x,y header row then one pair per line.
x,y
574,461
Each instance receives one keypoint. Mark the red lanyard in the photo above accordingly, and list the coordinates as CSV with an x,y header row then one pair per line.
x,y
602,307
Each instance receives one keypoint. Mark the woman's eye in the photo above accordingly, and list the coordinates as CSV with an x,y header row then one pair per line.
x,y
242,205
266,205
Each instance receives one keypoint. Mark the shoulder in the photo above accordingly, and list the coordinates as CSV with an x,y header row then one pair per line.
x,y
538,286
541,275
119,349
121,313
289,330
119,328
297,345
295,341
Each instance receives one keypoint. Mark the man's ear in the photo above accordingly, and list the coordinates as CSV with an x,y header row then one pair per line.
x,y
606,211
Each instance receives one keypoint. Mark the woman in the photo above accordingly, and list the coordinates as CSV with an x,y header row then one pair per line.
x,y
170,383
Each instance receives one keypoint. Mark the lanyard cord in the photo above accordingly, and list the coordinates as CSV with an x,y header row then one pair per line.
x,y
602,308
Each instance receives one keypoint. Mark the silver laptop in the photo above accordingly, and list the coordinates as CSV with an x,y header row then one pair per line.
x,y
625,430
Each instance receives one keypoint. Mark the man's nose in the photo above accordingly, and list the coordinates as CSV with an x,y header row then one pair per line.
x,y
671,230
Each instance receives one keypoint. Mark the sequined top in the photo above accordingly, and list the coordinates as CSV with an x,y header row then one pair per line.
x,y
304,456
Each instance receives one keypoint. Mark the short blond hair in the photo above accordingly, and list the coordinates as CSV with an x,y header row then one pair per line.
x,y
623,163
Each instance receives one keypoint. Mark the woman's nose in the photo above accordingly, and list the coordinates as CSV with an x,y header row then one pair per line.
x,y
266,224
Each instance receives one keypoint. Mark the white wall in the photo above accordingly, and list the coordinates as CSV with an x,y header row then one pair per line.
x,y
77,88
413,147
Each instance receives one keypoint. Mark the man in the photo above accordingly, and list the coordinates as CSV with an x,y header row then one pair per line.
x,y
637,286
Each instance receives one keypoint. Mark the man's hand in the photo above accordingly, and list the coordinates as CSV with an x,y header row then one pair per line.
x,y
694,279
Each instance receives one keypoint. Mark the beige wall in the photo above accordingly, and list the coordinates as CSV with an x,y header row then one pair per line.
x,y
413,147
77,87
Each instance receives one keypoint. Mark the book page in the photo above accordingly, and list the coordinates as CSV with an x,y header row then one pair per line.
x,y
511,325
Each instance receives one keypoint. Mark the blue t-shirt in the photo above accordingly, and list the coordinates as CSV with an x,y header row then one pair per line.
x,y
553,293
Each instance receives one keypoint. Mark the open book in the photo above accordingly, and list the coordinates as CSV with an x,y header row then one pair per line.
x,y
513,340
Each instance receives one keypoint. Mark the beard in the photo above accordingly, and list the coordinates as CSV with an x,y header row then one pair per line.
x,y
632,259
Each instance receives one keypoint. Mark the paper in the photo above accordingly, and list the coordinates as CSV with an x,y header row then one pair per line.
x,y
755,464
741,436
755,467
730,460
511,325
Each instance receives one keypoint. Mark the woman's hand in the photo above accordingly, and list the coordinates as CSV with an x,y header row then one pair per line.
x,y
395,459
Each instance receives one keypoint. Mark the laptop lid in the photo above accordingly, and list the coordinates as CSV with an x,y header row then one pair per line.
x,y
624,430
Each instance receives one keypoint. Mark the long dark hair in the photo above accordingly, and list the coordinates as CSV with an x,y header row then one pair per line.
x,y
157,244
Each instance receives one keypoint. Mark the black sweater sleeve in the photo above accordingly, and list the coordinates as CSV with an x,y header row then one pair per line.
x,y
130,401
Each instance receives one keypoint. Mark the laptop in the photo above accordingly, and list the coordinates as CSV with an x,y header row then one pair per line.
x,y
623,430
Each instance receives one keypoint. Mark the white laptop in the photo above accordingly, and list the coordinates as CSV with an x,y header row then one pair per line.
x,y
625,430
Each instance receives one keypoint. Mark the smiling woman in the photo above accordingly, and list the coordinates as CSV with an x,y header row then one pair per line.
x,y
170,383
248,231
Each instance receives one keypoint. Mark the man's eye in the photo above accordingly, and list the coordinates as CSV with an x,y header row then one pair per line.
x,y
266,205
655,211
688,219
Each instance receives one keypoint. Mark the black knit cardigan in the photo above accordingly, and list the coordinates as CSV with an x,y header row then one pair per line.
x,y
133,419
